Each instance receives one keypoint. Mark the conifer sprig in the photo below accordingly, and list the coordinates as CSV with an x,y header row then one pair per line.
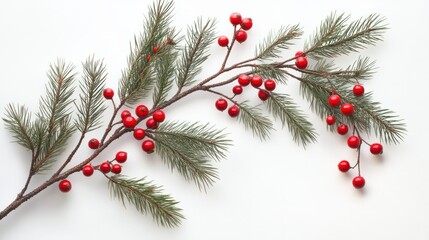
x,y
17,120
276,41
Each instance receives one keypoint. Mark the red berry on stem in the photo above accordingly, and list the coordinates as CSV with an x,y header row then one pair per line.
x,y
221,104
237,90
105,167
116,168
270,85
358,90
344,166
235,18
151,123
246,24
334,100
256,81
129,122
155,50
358,182
139,133
299,54
108,93
353,141
93,143
158,116
342,129
148,146
233,111
65,185
142,111
87,170
243,79
301,62
121,157
330,120
241,36
347,109
148,58
376,148
223,41
263,94
125,114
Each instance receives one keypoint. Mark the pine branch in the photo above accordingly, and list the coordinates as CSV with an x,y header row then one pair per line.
x,y
18,121
275,42
146,198
271,71
253,119
165,68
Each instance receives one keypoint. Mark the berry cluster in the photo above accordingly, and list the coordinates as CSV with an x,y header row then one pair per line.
x,y
240,35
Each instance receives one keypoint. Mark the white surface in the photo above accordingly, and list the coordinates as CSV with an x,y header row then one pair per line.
x,y
268,190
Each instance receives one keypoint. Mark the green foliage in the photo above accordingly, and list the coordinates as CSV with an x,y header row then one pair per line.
x,y
275,42
271,71
147,198
165,68
253,119
18,121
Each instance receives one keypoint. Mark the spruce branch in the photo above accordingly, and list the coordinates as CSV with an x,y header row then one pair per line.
x,y
165,68
253,119
18,121
276,41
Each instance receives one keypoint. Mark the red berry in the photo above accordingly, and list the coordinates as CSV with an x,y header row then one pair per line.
x,y
105,167
116,168
233,111
358,182
270,85
148,58
125,114
121,157
241,36
129,122
347,109
299,54
243,79
358,90
263,94
330,120
235,18
342,129
334,100
376,148
93,143
237,90
353,142
151,123
148,146
223,41
158,116
142,111
155,50
108,93
139,133
87,170
247,24
221,104
256,81
65,185
344,166
301,62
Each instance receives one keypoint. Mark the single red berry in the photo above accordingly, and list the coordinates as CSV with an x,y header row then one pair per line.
x,y
376,148
87,170
129,122
125,114
241,36
223,41
358,90
235,18
256,81
148,146
155,50
358,182
334,100
263,94
353,141
151,123
233,111
344,166
121,157
158,116
243,79
139,133
148,58
116,168
301,62
221,104
93,143
105,167
347,109
270,85
330,120
299,54
237,90
142,111
65,185
247,24
342,129
108,93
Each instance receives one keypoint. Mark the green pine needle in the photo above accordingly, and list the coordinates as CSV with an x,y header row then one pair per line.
x,y
18,121
253,119
276,41
165,68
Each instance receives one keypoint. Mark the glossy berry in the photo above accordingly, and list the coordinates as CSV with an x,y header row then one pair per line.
x,y
241,36
330,120
121,157
334,100
65,185
155,50
376,148
105,167
221,104
108,93
358,90
237,90
148,146
93,143
223,41
347,109
139,133
158,116
151,123
233,111
256,81
342,129
263,94
87,170
344,166
301,62
125,114
235,18
116,168
358,182
129,122
270,85
148,57
353,141
142,111
243,79
246,24
299,54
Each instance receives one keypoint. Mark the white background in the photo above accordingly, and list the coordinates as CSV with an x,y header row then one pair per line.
x,y
267,190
